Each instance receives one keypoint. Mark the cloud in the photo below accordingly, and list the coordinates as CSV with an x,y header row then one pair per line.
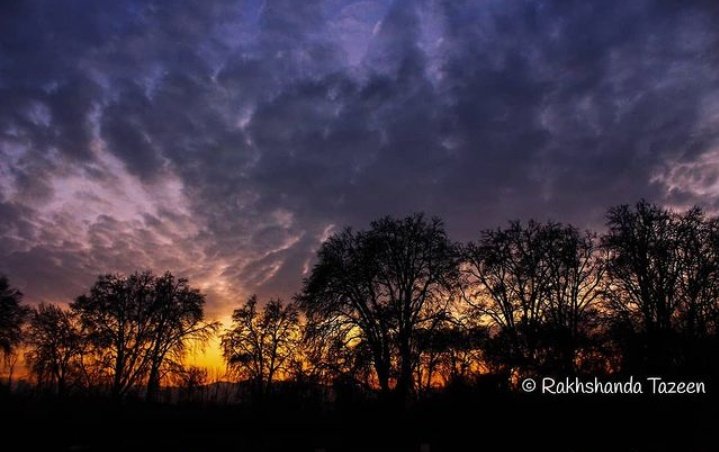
x,y
222,140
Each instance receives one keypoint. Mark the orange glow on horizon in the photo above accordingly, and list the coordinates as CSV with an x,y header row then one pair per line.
x,y
208,356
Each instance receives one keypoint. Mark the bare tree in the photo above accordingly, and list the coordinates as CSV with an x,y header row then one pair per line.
x,y
374,290
575,275
260,344
330,359
345,316
55,347
177,318
117,318
191,382
507,279
644,268
136,322
539,286
663,282
698,315
450,352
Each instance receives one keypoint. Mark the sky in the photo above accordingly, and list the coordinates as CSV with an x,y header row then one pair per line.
x,y
225,140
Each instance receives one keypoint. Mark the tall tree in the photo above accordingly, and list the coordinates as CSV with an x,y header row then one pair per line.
x,y
345,315
538,284
377,289
507,279
663,280
644,265
261,342
177,319
575,270
54,347
116,315
136,322
698,315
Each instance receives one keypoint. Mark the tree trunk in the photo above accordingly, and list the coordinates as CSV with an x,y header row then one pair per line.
x,y
382,370
153,382
404,383
117,380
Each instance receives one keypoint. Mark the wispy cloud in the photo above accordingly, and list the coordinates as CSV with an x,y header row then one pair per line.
x,y
222,140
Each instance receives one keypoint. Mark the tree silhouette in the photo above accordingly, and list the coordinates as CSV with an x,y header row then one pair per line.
x,y
12,317
55,347
575,274
698,316
345,319
135,322
374,290
539,286
260,344
398,310
177,318
644,264
448,353
331,360
663,282
191,382
116,315
699,284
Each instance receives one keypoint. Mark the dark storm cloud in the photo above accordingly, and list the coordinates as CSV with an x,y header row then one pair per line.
x,y
227,139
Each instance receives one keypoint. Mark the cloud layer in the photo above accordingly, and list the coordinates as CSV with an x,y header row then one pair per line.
x,y
224,140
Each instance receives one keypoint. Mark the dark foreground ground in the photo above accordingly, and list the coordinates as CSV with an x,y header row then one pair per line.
x,y
452,422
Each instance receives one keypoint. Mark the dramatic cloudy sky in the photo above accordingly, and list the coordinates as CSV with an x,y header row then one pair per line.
x,y
223,140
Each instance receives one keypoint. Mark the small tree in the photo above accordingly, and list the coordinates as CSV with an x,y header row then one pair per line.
x,y
260,344
191,382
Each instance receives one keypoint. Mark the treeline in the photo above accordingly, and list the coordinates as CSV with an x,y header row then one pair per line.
x,y
401,310
125,335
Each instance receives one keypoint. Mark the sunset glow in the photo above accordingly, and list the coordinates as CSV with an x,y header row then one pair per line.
x,y
359,225
226,143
